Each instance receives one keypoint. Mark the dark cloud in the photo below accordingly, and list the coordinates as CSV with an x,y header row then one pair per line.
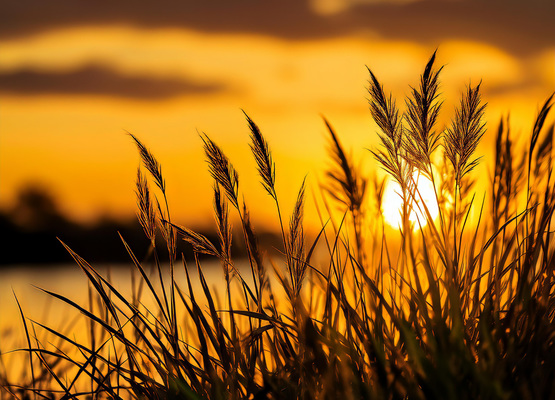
x,y
280,18
516,25
98,80
520,27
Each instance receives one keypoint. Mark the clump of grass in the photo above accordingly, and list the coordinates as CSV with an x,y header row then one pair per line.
x,y
443,313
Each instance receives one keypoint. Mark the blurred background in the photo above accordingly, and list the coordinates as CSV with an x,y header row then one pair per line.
x,y
76,76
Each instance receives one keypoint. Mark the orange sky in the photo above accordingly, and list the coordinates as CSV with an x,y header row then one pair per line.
x,y
73,81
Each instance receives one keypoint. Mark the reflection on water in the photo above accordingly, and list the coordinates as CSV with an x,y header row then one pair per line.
x,y
69,281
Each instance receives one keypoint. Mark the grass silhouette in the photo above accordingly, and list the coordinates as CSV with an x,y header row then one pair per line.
x,y
444,313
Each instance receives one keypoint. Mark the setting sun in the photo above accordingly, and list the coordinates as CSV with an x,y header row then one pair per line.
x,y
393,203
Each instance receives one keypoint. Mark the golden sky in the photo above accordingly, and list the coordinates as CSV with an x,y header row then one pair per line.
x,y
75,76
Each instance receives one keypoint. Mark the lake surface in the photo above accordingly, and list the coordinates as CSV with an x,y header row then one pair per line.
x,y
69,280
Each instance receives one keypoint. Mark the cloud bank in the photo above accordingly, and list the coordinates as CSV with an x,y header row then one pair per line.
x,y
98,80
520,27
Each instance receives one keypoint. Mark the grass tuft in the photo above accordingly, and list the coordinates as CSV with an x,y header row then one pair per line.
x,y
462,307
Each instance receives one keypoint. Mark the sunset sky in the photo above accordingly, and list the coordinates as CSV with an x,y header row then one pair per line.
x,y
76,76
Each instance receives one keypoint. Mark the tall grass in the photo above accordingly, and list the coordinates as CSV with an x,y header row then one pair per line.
x,y
456,309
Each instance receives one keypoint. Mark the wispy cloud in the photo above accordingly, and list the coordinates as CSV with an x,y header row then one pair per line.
x,y
99,80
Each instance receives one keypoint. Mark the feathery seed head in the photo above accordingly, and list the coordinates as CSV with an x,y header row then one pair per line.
x,y
467,128
422,111
263,157
222,170
150,163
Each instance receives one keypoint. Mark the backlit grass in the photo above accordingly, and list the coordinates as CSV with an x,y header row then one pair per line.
x,y
446,308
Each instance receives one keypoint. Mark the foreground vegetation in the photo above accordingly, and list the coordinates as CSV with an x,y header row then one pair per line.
x,y
455,309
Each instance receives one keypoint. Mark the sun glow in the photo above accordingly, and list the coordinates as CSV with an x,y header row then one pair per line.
x,y
392,205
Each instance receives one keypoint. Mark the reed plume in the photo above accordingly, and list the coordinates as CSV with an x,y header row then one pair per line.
x,y
538,125
346,184
298,265
393,160
386,115
145,213
467,128
199,242
423,108
151,164
221,213
222,170
265,165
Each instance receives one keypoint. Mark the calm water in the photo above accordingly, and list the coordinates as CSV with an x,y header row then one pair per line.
x,y
68,280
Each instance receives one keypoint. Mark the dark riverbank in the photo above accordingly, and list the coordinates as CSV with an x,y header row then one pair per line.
x,y
30,232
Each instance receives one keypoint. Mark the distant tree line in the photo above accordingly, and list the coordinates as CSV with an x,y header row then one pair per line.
x,y
30,228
